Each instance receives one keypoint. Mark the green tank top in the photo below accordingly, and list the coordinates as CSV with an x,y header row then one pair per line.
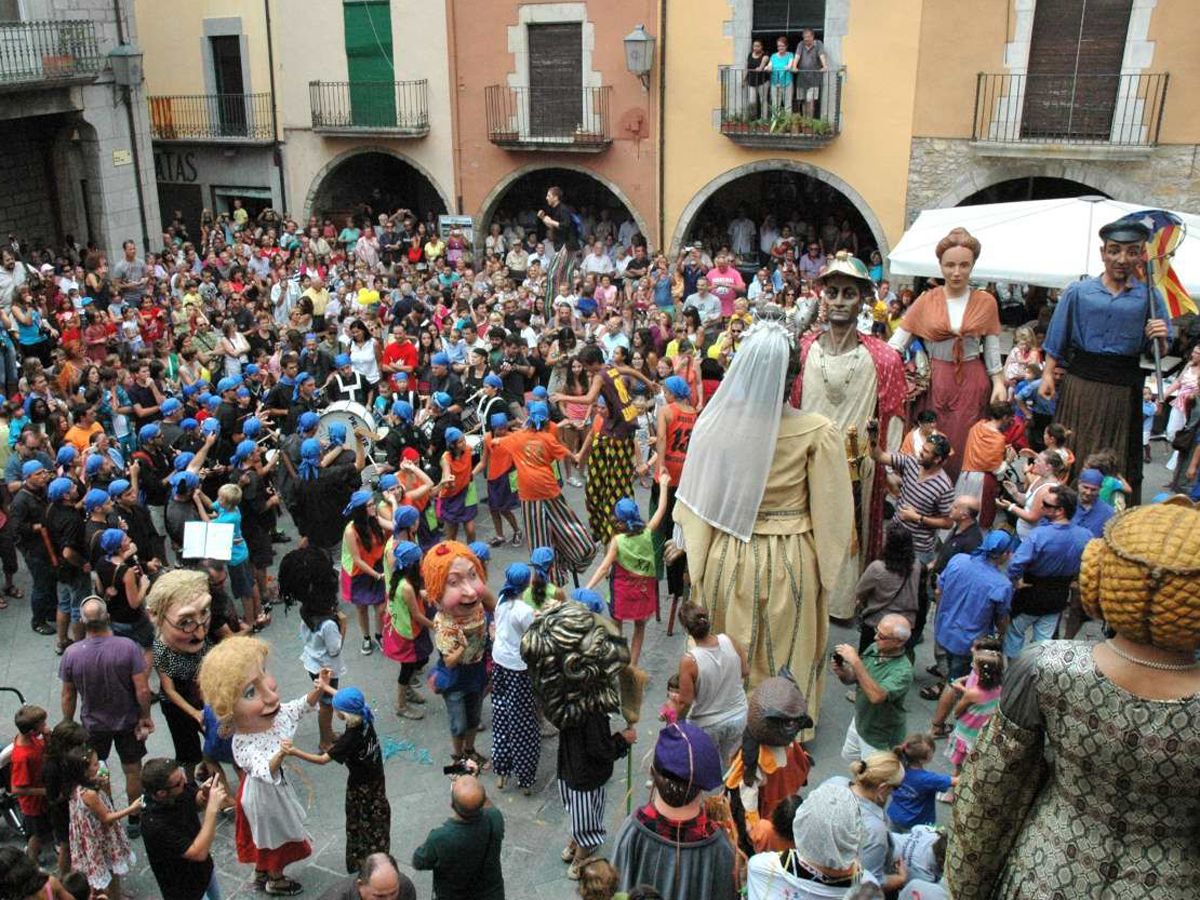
x,y
635,553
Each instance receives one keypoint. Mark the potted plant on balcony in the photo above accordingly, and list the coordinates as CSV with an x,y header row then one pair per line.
x,y
736,123
584,136
72,43
780,121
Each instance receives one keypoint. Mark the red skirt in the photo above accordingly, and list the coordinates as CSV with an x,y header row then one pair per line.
x,y
635,597
272,860
959,403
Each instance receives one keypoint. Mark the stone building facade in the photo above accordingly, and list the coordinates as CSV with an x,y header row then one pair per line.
x,y
77,143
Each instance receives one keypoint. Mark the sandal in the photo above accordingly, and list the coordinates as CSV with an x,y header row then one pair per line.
x,y
3,603
405,712
940,729
61,647
932,691
261,621
45,628
479,759
13,591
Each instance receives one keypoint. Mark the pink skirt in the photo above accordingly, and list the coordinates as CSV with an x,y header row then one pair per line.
x,y
635,597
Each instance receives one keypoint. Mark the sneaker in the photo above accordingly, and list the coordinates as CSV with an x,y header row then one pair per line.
x,y
45,628
407,712
575,481
284,887
379,642
496,541
366,649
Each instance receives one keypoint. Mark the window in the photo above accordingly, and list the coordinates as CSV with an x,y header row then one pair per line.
x,y
1075,56
555,78
787,17
372,77
228,80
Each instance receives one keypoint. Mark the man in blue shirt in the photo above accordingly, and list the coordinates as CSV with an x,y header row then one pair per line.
x,y
973,600
1099,329
1092,513
1043,568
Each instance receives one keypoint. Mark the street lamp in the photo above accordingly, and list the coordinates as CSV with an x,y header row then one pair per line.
x,y
639,54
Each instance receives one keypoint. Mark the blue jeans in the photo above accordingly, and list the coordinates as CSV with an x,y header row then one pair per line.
x,y
213,891
42,599
71,593
1043,630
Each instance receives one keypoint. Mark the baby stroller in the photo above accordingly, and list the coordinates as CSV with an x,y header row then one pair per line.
x,y
10,810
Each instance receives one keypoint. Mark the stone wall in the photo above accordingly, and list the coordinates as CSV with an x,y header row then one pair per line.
x,y
25,208
944,171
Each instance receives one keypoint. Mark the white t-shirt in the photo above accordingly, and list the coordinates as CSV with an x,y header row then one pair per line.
x,y
512,618
956,308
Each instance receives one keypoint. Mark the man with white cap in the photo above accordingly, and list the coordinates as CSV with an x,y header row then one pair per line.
x,y
825,864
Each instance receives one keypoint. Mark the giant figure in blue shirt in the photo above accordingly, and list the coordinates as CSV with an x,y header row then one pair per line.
x,y
1099,329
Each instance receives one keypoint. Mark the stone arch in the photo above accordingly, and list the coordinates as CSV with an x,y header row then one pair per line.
x,y
335,163
693,207
973,181
491,202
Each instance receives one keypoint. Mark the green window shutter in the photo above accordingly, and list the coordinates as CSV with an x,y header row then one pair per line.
x,y
368,27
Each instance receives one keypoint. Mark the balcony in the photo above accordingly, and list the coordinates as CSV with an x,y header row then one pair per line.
x,y
757,115
390,108
1089,116
571,119
48,53
211,117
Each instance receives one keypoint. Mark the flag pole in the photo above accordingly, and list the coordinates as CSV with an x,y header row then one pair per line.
x,y
1156,343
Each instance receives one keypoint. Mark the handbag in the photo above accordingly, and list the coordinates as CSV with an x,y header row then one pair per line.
x,y
1185,439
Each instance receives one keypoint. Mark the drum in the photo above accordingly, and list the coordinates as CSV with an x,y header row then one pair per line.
x,y
352,415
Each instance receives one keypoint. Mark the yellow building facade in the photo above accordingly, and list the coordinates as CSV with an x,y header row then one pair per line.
x,y
928,103
305,107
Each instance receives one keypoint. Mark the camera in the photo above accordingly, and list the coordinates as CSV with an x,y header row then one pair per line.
x,y
457,768
837,658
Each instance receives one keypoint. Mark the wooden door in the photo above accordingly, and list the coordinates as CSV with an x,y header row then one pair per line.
x,y
368,35
555,79
1074,68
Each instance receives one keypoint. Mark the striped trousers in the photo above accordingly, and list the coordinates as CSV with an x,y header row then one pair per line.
x,y
586,810
552,523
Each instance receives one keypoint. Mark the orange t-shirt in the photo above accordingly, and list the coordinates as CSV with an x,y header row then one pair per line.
x,y
499,458
532,453
679,434
412,482
461,470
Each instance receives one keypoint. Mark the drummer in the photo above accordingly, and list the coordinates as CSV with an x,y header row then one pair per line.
x,y
305,399
345,383
442,380
490,402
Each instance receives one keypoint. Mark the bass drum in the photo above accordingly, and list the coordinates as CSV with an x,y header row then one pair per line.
x,y
347,412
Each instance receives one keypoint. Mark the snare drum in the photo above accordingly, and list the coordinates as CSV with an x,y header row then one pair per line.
x,y
347,412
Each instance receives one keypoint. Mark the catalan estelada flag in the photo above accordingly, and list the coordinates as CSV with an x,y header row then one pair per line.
x,y
1166,231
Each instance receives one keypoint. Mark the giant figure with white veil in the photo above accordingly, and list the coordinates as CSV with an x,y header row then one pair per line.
x,y
767,512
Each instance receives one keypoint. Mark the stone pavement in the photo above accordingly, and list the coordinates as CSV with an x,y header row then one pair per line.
x,y
416,751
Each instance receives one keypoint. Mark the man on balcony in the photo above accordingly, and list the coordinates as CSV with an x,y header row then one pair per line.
x,y
810,63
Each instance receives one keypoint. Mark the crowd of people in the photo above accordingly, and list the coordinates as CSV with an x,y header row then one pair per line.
x,y
814,447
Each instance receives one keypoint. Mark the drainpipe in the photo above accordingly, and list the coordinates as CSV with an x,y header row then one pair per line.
x,y
276,145
662,125
127,97
455,130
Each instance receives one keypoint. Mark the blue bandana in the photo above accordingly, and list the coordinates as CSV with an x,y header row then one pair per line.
x,y
310,459
516,579
541,559
351,700
406,554
627,513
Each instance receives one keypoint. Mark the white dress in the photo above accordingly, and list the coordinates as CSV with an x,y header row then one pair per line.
x,y
269,802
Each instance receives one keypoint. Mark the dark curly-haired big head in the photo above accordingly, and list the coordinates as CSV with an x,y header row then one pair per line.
x,y
574,659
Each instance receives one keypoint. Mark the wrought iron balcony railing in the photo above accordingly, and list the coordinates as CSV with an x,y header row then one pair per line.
x,y
190,117
549,118
1118,110
399,108
49,51
804,109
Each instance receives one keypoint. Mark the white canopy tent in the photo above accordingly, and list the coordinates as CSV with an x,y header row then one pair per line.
x,y
1044,242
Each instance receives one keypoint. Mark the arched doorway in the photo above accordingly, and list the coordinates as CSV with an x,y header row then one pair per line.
x,y
375,177
1034,187
518,197
788,191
